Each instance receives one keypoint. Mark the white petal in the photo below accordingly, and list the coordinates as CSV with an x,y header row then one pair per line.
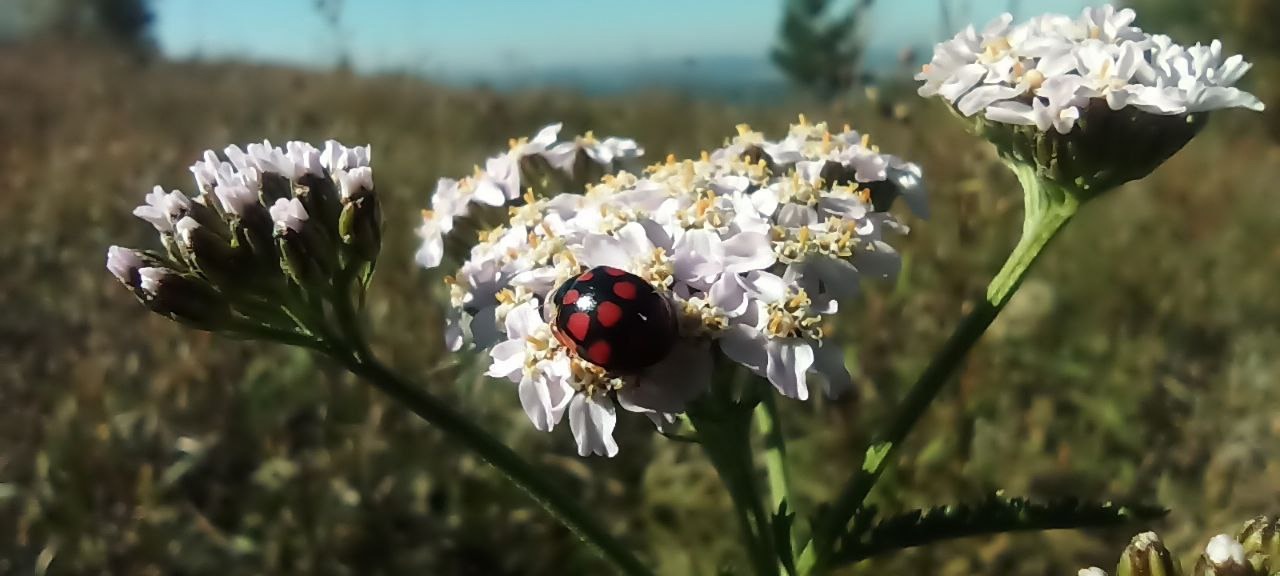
x,y
767,286
508,360
746,346
789,361
592,422
602,250
546,136
728,295
748,251
523,321
489,192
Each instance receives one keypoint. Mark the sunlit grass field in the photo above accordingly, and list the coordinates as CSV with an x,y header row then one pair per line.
x,y
1139,363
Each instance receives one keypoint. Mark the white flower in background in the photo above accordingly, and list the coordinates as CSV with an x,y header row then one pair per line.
x,y
1046,71
751,244
603,152
1224,551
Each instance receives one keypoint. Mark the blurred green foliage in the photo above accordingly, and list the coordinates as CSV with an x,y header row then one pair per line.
x,y
1140,362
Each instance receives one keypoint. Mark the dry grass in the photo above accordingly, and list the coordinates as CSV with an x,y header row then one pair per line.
x,y
1140,363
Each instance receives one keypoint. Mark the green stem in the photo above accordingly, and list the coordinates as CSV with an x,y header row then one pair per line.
x,y
769,425
724,432
538,484
1048,209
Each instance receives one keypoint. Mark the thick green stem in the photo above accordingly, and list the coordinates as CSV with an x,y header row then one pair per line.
x,y
538,484
1048,209
724,432
769,425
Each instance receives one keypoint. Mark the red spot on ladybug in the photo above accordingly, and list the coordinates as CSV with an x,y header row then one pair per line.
x,y
613,319
608,314
625,290
579,323
599,353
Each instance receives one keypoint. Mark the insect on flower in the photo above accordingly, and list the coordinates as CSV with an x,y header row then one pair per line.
x,y
613,319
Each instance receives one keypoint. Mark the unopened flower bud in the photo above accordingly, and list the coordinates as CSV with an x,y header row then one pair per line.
x,y
209,254
1224,556
1094,571
124,263
360,226
322,200
253,229
1147,556
308,253
183,297
275,187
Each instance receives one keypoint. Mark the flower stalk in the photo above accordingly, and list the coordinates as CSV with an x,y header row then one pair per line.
x,y
1048,208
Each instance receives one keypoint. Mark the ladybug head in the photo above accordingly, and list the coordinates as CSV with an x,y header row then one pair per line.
x,y
613,319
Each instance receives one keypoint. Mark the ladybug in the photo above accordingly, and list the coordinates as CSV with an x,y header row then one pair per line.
x,y
613,319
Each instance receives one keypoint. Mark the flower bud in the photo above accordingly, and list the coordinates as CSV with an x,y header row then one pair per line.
x,y
308,253
1261,540
183,297
275,187
1224,557
1094,571
322,200
124,263
209,254
253,229
1146,555
360,224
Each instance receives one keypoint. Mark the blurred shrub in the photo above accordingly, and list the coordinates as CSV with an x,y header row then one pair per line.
x,y
820,48
123,22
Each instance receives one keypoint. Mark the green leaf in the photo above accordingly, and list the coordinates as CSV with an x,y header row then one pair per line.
x,y
875,454
995,515
783,522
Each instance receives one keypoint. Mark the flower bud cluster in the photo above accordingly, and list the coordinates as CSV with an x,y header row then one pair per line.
x,y
267,226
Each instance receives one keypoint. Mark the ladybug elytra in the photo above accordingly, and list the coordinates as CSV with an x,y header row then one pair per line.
x,y
613,319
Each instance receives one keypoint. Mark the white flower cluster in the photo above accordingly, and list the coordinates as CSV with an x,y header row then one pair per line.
x,y
754,244
500,182
1043,72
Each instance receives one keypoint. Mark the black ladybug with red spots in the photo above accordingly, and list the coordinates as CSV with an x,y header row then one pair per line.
x,y
613,319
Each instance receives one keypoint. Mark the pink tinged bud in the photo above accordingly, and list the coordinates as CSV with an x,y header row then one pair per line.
x,y
355,182
235,198
305,158
288,215
124,264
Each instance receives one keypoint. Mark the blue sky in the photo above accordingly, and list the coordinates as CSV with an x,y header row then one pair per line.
x,y
488,37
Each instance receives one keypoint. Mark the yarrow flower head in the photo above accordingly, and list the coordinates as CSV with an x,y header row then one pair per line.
x,y
268,225
749,249
1093,101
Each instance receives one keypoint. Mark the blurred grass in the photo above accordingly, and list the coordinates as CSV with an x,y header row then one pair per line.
x,y
1140,361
